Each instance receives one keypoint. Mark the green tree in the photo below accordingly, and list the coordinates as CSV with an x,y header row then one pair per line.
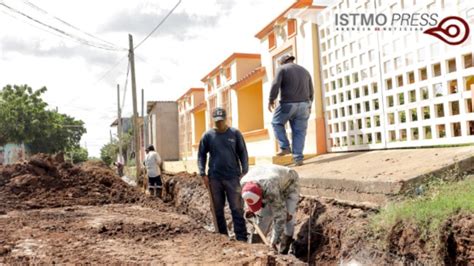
x,y
108,152
24,118
79,155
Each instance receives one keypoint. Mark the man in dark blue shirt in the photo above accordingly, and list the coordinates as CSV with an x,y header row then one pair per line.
x,y
228,162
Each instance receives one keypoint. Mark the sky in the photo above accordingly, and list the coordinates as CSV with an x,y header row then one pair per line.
x,y
82,80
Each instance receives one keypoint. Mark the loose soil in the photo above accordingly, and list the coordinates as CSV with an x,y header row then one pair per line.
x,y
55,212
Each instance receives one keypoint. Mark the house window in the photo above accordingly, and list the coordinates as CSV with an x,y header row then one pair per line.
x,y
218,80
271,41
291,24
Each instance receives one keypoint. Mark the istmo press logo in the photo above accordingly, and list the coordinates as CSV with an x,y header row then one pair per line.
x,y
452,30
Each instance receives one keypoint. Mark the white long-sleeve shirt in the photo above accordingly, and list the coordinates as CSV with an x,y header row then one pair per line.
x,y
152,164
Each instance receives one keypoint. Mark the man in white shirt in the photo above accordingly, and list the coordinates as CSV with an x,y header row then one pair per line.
x,y
154,166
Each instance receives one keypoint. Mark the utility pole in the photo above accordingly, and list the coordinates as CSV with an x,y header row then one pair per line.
x,y
143,103
119,126
136,131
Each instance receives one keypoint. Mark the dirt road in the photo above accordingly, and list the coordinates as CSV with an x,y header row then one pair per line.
x,y
54,212
118,234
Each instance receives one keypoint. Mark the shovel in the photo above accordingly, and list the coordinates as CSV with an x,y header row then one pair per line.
x,y
259,232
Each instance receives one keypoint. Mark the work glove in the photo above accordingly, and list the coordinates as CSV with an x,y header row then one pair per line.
x,y
249,214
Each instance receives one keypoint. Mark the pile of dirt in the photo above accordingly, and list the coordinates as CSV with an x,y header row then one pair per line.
x,y
187,193
46,181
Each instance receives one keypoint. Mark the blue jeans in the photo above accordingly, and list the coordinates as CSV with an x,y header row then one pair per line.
x,y
297,114
231,188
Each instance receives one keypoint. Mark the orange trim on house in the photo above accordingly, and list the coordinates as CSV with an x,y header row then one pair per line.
x,y
321,146
199,107
228,60
269,27
191,90
271,41
250,78
291,25
255,134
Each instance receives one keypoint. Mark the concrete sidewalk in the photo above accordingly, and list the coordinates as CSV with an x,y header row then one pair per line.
x,y
377,176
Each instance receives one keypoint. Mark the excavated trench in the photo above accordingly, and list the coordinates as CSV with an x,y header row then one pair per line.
x,y
55,201
328,232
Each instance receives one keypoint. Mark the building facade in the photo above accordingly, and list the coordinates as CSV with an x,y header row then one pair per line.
x,y
192,122
395,88
161,128
374,89
287,34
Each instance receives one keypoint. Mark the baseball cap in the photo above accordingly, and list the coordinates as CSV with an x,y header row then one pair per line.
x,y
219,114
252,195
286,58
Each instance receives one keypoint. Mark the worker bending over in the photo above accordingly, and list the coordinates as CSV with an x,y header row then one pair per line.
x,y
271,193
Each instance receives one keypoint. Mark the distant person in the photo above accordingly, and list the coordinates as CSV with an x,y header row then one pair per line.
x,y
228,161
154,167
271,193
119,166
295,86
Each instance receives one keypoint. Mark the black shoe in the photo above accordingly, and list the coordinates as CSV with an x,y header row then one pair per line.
x,y
283,152
299,163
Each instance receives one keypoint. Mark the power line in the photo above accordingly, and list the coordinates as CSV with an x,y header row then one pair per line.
x,y
125,87
157,26
77,39
70,25
106,73
110,70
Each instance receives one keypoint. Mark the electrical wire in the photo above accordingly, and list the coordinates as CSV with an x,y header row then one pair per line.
x,y
110,70
157,26
125,87
77,39
111,45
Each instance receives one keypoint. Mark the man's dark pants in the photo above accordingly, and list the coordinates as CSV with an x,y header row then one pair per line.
x,y
231,188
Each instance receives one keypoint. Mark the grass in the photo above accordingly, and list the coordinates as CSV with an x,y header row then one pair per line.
x,y
430,211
